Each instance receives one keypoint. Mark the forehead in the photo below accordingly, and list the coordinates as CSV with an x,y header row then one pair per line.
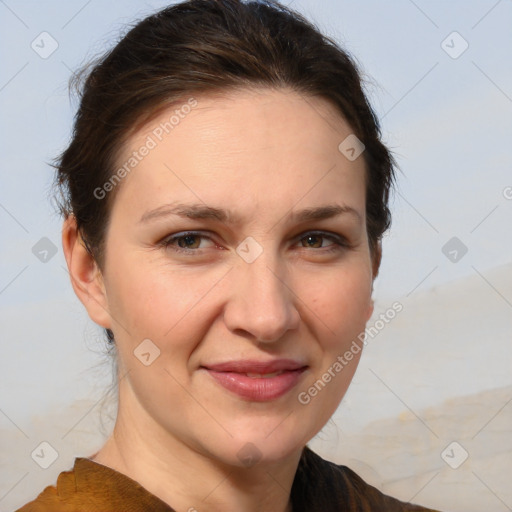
x,y
223,146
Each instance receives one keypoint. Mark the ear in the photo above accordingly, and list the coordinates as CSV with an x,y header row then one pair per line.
x,y
371,307
86,277
376,259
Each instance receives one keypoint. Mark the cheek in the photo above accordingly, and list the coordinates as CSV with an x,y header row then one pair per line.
x,y
342,303
157,302
143,305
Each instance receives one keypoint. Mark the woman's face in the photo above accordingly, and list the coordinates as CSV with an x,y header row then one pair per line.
x,y
258,288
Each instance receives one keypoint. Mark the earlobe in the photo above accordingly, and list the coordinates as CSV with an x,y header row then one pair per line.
x,y
371,307
376,259
85,275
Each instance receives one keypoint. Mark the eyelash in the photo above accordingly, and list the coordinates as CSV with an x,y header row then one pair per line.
x,y
339,244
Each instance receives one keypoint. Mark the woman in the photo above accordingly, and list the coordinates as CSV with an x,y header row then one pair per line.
x,y
225,194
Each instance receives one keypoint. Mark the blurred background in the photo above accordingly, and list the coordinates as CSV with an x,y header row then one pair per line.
x,y
428,417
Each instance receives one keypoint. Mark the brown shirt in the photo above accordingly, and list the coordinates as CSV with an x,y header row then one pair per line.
x,y
318,486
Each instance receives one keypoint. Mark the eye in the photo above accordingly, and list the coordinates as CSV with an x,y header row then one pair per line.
x,y
187,242
315,240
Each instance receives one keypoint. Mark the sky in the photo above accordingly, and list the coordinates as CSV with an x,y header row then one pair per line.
x,y
439,77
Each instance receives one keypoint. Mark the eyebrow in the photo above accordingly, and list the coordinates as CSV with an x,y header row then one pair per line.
x,y
202,211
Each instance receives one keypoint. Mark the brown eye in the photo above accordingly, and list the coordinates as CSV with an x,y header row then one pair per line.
x,y
188,241
315,240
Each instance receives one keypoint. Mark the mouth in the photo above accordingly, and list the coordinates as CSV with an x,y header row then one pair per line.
x,y
257,381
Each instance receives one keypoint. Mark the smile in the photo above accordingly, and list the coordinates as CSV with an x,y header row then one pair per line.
x,y
257,381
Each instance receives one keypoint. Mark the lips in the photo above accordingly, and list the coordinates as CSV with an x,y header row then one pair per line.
x,y
257,381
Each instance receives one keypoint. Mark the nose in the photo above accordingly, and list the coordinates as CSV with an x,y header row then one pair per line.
x,y
262,303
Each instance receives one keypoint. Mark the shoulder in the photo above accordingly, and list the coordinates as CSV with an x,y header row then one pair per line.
x,y
92,487
53,497
338,487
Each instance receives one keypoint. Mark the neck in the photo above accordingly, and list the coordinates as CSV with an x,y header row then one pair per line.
x,y
188,480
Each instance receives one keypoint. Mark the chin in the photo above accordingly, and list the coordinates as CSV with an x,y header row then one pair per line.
x,y
260,444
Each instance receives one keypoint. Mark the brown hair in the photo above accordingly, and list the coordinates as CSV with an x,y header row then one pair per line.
x,y
200,46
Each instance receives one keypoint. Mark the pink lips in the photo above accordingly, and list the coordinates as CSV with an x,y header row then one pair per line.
x,y
254,380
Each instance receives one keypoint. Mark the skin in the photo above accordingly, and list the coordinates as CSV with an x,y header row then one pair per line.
x,y
262,154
